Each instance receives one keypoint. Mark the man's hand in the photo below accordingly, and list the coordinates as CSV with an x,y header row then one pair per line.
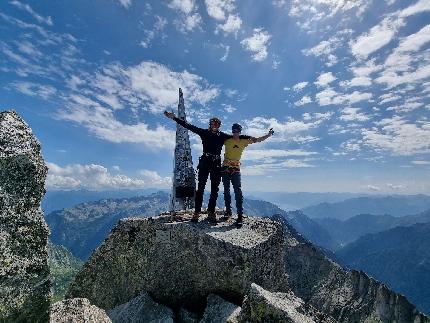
x,y
271,132
169,115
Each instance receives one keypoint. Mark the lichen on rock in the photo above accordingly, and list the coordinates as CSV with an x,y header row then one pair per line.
x,y
77,310
180,264
24,271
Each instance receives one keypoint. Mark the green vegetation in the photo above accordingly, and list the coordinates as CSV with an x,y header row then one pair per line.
x,y
64,267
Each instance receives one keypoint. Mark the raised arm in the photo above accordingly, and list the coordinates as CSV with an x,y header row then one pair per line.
x,y
260,139
184,124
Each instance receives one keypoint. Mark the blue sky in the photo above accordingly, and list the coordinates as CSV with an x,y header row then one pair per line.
x,y
345,85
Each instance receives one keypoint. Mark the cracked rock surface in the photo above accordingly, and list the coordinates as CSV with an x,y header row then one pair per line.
x,y
24,271
181,263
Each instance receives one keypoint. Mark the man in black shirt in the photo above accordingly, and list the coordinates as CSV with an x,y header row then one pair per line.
x,y
209,162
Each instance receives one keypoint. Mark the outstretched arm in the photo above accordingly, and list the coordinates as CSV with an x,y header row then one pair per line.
x,y
183,123
260,139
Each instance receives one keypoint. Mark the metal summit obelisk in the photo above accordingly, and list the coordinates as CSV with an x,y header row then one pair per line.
x,y
184,181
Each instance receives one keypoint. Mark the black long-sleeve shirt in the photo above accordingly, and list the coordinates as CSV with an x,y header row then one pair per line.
x,y
212,141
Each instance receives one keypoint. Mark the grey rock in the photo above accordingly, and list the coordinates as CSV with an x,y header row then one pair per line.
x,y
77,310
219,310
181,263
141,309
24,271
347,296
185,316
261,305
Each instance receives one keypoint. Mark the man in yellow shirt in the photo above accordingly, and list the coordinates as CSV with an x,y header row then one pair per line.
x,y
231,169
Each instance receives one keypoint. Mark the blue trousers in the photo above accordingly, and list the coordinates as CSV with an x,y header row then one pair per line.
x,y
233,178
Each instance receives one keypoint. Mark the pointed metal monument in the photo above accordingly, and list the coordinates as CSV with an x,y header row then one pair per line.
x,y
184,181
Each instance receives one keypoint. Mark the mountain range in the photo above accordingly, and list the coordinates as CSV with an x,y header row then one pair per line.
x,y
400,257
394,205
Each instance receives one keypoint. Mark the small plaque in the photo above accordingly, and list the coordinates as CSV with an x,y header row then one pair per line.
x,y
162,236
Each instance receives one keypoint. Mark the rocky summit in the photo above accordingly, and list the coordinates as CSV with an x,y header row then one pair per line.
x,y
263,271
24,271
180,264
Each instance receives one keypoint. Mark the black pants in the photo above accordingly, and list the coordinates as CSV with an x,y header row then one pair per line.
x,y
208,166
234,178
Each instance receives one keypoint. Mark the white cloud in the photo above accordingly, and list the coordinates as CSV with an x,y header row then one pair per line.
x,y
353,114
152,178
91,177
326,48
26,7
102,123
310,13
257,44
382,33
325,79
329,96
373,188
150,34
377,37
399,136
304,100
357,81
229,108
227,51
270,168
395,187
186,6
389,97
231,25
33,89
125,3
300,86
218,9
261,154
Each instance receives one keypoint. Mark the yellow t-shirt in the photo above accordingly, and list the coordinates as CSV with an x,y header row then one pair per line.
x,y
234,149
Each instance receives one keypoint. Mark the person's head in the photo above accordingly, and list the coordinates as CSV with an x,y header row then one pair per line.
x,y
236,129
214,124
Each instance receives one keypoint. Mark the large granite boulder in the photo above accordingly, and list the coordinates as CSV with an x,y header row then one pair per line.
x,y
77,310
24,271
141,309
219,310
347,296
181,263
262,306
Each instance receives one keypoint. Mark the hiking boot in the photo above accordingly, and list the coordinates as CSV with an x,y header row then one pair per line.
x,y
212,217
227,215
239,221
195,218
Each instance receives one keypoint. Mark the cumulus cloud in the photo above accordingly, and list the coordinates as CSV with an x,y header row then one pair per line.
x,y
189,19
353,114
399,136
325,79
303,101
91,177
310,13
382,34
327,48
257,44
232,24
152,178
223,11
102,123
329,96
300,86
